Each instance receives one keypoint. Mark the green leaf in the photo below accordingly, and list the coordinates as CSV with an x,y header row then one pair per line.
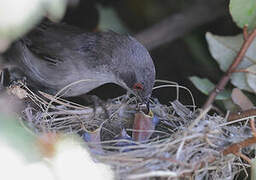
x,y
198,50
206,86
241,100
17,137
224,50
243,12
251,77
253,168
109,20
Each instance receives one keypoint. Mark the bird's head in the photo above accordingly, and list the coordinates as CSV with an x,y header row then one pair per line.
x,y
135,68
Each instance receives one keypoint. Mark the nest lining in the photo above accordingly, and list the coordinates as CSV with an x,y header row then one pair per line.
x,y
186,142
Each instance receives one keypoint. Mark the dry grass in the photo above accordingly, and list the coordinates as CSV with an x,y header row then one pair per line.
x,y
186,143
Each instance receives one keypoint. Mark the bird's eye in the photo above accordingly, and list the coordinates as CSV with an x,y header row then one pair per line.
x,y
138,86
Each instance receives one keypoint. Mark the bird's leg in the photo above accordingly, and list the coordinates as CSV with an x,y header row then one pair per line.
x,y
95,101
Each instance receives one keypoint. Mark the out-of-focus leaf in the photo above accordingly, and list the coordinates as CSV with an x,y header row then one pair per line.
x,y
206,86
241,100
198,50
19,16
55,9
243,12
69,152
224,50
12,159
253,168
229,105
12,131
251,77
17,137
109,20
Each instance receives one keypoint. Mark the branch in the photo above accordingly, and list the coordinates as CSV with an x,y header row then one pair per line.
x,y
224,80
236,147
242,114
181,23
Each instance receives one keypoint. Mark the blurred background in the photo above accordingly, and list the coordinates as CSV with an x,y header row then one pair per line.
x,y
172,30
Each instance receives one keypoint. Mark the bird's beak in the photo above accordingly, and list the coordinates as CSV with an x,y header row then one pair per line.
x,y
144,106
144,101
147,107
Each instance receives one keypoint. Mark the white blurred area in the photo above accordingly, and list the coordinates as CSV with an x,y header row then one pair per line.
x,y
72,161
18,16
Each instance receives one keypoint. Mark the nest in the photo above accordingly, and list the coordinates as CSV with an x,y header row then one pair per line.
x,y
187,142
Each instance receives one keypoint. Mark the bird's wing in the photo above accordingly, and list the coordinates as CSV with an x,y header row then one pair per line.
x,y
53,43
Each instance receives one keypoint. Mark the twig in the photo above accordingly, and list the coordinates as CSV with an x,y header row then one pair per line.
x,y
244,157
154,174
224,80
52,98
245,71
251,113
252,124
235,148
245,32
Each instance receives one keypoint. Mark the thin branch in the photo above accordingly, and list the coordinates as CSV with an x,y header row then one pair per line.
x,y
244,157
252,124
235,148
245,32
178,24
224,80
241,115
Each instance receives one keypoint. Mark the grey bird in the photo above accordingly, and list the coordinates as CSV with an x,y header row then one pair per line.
x,y
55,55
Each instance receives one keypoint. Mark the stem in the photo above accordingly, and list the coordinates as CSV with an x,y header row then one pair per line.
x,y
224,80
245,32
253,168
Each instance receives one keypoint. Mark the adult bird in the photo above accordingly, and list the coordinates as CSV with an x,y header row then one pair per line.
x,y
55,55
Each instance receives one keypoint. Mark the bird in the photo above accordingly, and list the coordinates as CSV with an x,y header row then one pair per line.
x,y
52,56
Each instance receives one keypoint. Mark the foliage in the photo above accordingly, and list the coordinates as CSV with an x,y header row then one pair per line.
x,y
206,86
243,12
224,49
17,137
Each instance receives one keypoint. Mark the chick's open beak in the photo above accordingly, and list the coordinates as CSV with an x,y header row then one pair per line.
x,y
144,107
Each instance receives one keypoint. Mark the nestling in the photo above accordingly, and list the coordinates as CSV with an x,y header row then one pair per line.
x,y
52,56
